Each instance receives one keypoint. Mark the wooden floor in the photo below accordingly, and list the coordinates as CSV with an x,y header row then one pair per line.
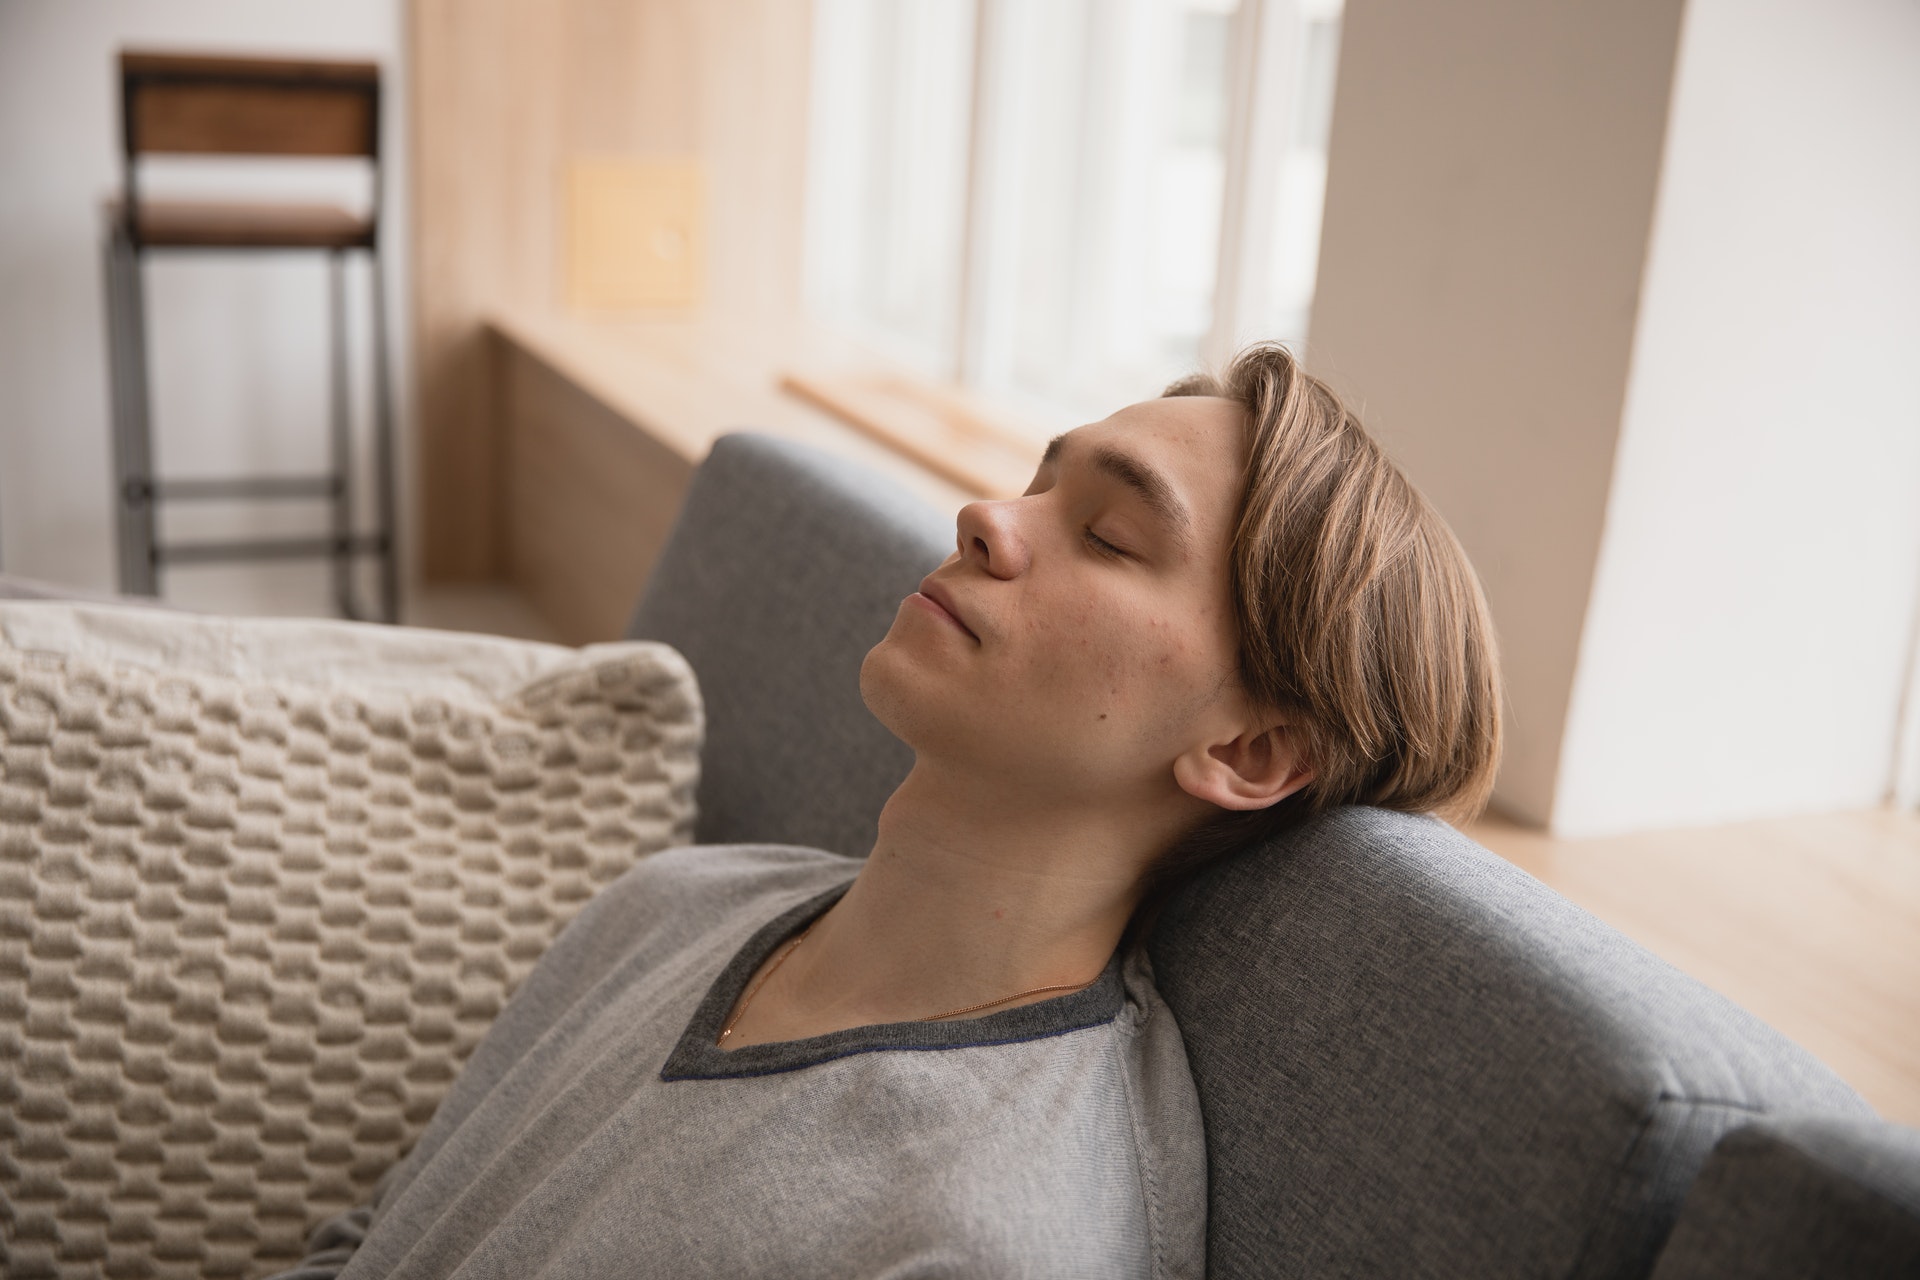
x,y
1812,923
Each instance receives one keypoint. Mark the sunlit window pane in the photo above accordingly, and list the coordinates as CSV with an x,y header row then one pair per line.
x,y
1108,163
887,194
1301,189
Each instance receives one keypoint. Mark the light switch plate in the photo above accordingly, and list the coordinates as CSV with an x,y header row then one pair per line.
x,y
634,233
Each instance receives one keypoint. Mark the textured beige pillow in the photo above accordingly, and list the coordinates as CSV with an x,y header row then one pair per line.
x,y
264,884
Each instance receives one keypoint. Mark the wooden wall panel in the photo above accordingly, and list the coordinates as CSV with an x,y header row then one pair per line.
x,y
485,117
589,499
505,92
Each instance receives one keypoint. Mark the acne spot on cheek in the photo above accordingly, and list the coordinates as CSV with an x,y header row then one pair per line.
x,y
1103,715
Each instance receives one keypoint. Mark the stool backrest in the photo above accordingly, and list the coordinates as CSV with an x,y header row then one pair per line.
x,y
190,104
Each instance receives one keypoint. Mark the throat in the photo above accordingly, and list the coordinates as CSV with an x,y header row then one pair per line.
x,y
934,931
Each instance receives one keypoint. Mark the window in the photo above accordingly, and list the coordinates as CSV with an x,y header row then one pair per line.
x,y
888,172
1063,204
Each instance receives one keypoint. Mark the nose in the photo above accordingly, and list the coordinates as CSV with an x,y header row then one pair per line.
x,y
989,535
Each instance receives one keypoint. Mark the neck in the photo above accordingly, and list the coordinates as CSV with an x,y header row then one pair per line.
x,y
967,897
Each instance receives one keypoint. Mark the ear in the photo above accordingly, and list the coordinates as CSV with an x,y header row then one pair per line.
x,y
1257,769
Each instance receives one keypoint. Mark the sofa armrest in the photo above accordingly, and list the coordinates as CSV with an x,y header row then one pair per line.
x,y
1803,1196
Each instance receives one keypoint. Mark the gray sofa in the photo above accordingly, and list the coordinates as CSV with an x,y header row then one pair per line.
x,y
1413,1058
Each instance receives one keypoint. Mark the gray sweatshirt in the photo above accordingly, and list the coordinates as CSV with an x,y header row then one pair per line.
x,y
598,1131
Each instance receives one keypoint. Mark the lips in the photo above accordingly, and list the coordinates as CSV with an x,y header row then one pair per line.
x,y
940,595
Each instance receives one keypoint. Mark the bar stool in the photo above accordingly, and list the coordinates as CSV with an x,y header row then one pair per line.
x,y
179,104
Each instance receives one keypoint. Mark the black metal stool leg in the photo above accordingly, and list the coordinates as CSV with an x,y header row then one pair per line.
x,y
117,393
132,438
342,442
389,534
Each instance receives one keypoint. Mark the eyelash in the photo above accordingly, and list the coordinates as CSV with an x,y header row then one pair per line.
x,y
1099,544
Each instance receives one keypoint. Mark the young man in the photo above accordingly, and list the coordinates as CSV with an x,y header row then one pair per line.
x,y
1209,616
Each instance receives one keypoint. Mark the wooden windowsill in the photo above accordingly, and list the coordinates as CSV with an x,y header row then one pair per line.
x,y
939,427
685,384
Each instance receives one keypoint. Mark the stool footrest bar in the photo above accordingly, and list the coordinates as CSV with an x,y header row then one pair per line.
x,y
218,488
267,549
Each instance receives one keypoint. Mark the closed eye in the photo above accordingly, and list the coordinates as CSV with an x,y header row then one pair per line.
x,y
1102,546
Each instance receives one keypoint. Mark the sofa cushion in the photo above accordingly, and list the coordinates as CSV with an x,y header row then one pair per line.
x,y
1828,1196
1415,1059
264,884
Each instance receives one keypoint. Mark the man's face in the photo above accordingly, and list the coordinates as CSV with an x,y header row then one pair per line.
x,y
1082,671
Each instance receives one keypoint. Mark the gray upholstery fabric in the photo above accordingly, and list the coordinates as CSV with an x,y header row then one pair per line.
x,y
1804,1196
1416,1060
786,565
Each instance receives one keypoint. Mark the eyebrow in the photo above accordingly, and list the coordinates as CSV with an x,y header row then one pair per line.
x,y
1153,488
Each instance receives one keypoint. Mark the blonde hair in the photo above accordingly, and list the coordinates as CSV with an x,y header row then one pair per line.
x,y
1358,615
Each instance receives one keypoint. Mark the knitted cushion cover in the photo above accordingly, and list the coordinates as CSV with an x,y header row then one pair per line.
x,y
252,924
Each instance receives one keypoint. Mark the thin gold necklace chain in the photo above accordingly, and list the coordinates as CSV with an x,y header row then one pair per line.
x,y
789,949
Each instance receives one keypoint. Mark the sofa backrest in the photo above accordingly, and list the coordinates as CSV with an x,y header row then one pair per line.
x,y
785,566
1416,1059
1412,1057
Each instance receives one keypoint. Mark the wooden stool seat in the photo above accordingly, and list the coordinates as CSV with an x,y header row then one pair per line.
x,y
249,225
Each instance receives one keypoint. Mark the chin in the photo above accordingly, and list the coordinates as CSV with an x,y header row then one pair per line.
x,y
886,687
915,704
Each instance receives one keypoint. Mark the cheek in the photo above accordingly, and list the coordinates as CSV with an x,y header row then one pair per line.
x,y
1119,668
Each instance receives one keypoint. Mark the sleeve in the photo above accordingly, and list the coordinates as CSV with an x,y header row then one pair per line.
x,y
331,1245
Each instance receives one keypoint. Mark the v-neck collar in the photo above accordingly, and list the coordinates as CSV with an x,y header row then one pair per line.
x,y
697,1057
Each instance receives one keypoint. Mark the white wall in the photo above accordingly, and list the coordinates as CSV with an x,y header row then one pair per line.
x,y
1746,642
1633,292
1491,182
238,352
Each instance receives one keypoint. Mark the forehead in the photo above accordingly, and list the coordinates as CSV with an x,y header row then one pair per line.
x,y
1197,444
